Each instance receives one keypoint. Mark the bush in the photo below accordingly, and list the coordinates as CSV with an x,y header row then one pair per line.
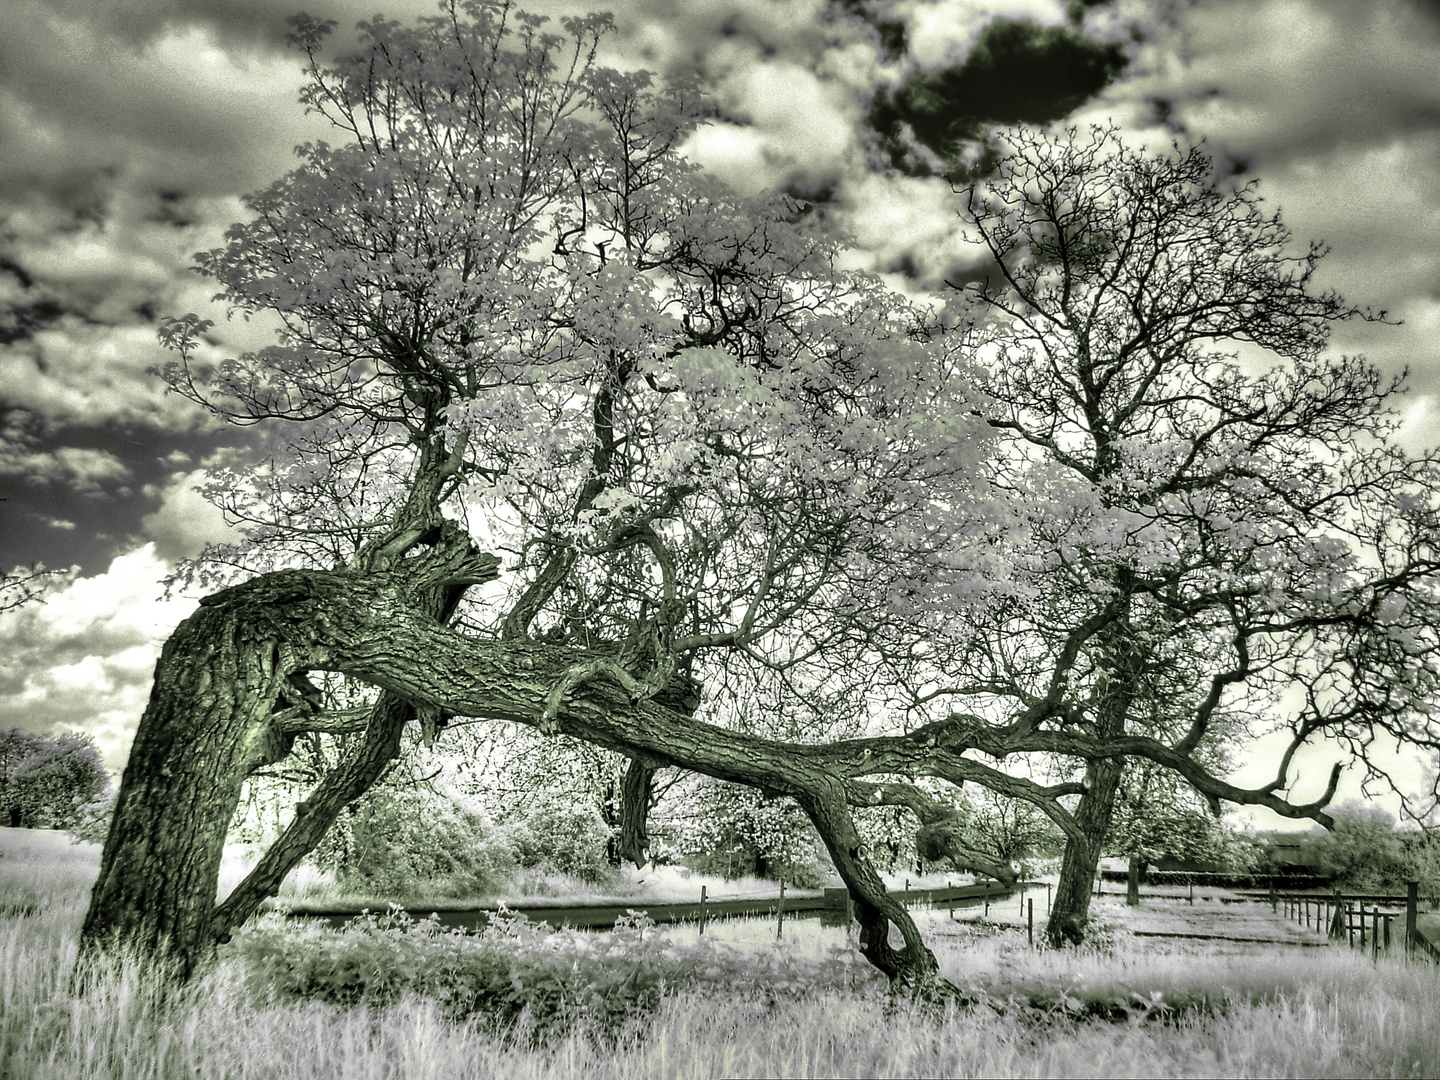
x,y
524,978
398,842
567,839
46,779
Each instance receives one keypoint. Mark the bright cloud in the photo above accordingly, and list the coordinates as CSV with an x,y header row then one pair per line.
x,y
84,470
185,521
83,660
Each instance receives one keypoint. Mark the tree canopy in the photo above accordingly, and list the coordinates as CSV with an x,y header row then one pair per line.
x,y
736,498
1215,534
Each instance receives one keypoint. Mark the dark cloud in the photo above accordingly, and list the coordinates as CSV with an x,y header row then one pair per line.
x,y
1017,73
81,494
890,33
1278,82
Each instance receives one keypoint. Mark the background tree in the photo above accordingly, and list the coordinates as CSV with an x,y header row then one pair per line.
x,y
1013,829
47,780
1209,513
1363,849
736,831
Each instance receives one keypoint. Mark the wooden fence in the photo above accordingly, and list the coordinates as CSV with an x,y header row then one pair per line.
x,y
1363,919
830,905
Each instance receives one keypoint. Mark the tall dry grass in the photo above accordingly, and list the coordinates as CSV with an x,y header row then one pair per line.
x,y
1310,1012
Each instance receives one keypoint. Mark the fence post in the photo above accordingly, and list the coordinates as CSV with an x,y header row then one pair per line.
x,y
1030,923
1274,905
1047,898
702,909
1412,912
780,911
1375,933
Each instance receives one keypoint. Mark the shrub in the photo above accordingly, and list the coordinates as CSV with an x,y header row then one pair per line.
x,y
400,841
568,839
523,978
46,779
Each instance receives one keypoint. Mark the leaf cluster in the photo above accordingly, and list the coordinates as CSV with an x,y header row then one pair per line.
x,y
49,781
524,979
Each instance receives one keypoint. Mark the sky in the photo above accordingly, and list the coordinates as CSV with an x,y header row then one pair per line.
x,y
129,131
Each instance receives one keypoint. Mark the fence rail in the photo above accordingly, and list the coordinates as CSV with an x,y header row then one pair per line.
x,y
600,916
1346,917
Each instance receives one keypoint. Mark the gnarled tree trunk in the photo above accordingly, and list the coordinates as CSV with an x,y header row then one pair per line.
x,y
1070,911
224,703
912,967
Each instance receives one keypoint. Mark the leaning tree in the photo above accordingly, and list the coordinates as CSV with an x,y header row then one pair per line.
x,y
1217,536
510,312
511,316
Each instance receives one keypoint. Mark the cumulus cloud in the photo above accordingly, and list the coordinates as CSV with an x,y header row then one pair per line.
x,y
83,98
84,470
1292,78
1335,107
185,521
83,659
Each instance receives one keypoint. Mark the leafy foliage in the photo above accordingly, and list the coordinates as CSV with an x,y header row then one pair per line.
x,y
92,819
736,831
558,836
1363,848
520,977
48,781
400,839
1012,828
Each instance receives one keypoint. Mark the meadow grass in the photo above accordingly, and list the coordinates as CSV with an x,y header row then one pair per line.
x,y
1252,1012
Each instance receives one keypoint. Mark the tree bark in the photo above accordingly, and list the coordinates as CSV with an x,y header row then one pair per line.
x,y
207,726
1070,912
635,811
1132,882
913,967
213,718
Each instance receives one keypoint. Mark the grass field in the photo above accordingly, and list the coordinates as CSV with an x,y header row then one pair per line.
x,y
793,1008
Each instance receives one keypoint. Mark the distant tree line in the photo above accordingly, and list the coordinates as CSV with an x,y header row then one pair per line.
x,y
1366,851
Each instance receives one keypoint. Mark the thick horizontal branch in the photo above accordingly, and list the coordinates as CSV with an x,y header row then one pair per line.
x,y
361,625
328,722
